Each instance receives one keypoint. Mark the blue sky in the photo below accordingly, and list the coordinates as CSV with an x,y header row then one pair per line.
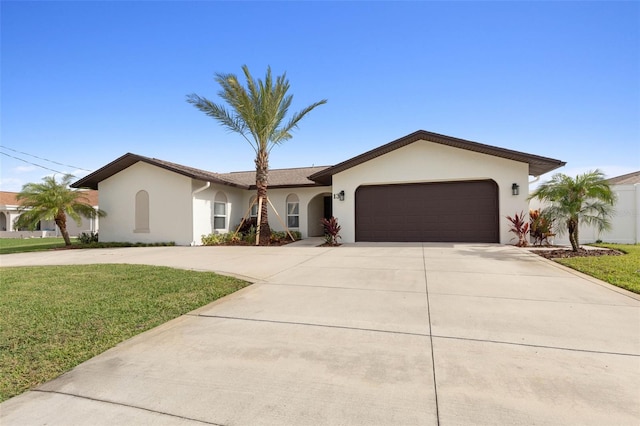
x,y
85,82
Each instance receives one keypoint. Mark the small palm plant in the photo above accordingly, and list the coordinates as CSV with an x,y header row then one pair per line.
x,y
587,199
52,200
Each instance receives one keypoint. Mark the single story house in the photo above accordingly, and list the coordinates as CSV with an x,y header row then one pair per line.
x,y
422,187
625,220
10,211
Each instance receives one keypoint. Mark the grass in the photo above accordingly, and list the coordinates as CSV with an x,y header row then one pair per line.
x,y
622,271
52,318
19,245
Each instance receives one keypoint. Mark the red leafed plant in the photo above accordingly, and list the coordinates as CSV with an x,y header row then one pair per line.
x,y
331,230
541,227
520,227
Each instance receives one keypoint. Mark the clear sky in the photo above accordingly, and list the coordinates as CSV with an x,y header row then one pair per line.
x,y
86,82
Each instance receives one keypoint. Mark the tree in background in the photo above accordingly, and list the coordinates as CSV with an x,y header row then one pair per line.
x,y
586,199
52,200
257,112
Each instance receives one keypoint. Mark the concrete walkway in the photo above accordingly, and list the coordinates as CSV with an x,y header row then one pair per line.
x,y
362,334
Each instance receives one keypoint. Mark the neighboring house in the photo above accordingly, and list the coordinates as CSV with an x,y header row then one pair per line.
x,y
421,187
9,212
625,221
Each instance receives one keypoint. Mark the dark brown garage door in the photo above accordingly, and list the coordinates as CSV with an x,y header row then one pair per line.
x,y
464,211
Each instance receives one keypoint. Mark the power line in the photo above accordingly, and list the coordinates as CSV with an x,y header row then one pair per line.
x,y
40,158
33,164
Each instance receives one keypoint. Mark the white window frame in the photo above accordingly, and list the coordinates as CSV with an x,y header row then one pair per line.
x,y
217,216
293,200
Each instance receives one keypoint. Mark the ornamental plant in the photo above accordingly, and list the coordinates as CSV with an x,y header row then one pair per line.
x,y
331,230
520,227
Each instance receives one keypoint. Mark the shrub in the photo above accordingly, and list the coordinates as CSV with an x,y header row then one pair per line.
x,y
331,230
519,227
245,229
540,227
88,237
218,239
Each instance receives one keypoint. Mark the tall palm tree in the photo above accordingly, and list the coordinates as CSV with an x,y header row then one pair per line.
x,y
256,112
586,199
52,200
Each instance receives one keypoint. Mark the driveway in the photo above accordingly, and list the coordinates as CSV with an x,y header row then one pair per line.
x,y
362,334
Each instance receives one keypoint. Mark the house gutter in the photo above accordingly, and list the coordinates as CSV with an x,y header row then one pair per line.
x,y
206,185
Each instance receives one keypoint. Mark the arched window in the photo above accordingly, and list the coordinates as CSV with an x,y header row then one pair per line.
x,y
142,211
220,211
293,211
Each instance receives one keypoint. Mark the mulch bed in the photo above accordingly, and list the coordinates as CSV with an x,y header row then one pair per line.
x,y
566,253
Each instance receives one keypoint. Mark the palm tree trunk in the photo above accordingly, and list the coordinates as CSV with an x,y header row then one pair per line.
x,y
61,221
572,226
262,174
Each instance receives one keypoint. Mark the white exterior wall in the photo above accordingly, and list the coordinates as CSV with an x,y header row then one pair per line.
x,y
424,161
625,222
170,205
278,197
203,209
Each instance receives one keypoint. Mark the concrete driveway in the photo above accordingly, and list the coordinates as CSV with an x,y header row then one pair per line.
x,y
362,334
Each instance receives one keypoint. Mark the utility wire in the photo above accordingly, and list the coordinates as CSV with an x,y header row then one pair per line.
x,y
40,158
33,164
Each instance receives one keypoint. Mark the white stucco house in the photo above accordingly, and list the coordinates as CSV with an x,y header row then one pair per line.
x,y
625,220
10,211
422,187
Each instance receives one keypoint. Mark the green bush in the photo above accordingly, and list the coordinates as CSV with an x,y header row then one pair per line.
x,y
88,237
218,239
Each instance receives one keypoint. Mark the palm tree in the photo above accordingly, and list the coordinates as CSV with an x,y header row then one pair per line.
x,y
586,199
52,200
257,113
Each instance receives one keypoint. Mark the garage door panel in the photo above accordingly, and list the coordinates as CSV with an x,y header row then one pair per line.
x,y
430,212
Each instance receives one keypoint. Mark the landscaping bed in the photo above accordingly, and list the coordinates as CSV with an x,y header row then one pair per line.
x,y
564,253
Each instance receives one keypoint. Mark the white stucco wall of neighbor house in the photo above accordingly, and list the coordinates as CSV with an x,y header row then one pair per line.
x,y
424,161
310,208
170,206
625,220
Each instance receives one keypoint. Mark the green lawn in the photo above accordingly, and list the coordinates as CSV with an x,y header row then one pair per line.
x,y
622,271
19,245
54,317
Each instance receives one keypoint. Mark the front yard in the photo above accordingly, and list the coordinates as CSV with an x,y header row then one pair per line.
x,y
622,271
52,318
20,245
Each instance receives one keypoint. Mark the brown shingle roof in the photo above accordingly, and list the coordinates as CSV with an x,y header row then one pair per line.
x,y
628,179
277,177
129,159
282,178
537,165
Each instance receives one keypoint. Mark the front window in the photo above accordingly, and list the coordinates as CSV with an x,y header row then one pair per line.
x,y
293,211
220,211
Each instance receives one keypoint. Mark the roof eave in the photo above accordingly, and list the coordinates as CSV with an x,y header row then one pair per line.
x,y
537,164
